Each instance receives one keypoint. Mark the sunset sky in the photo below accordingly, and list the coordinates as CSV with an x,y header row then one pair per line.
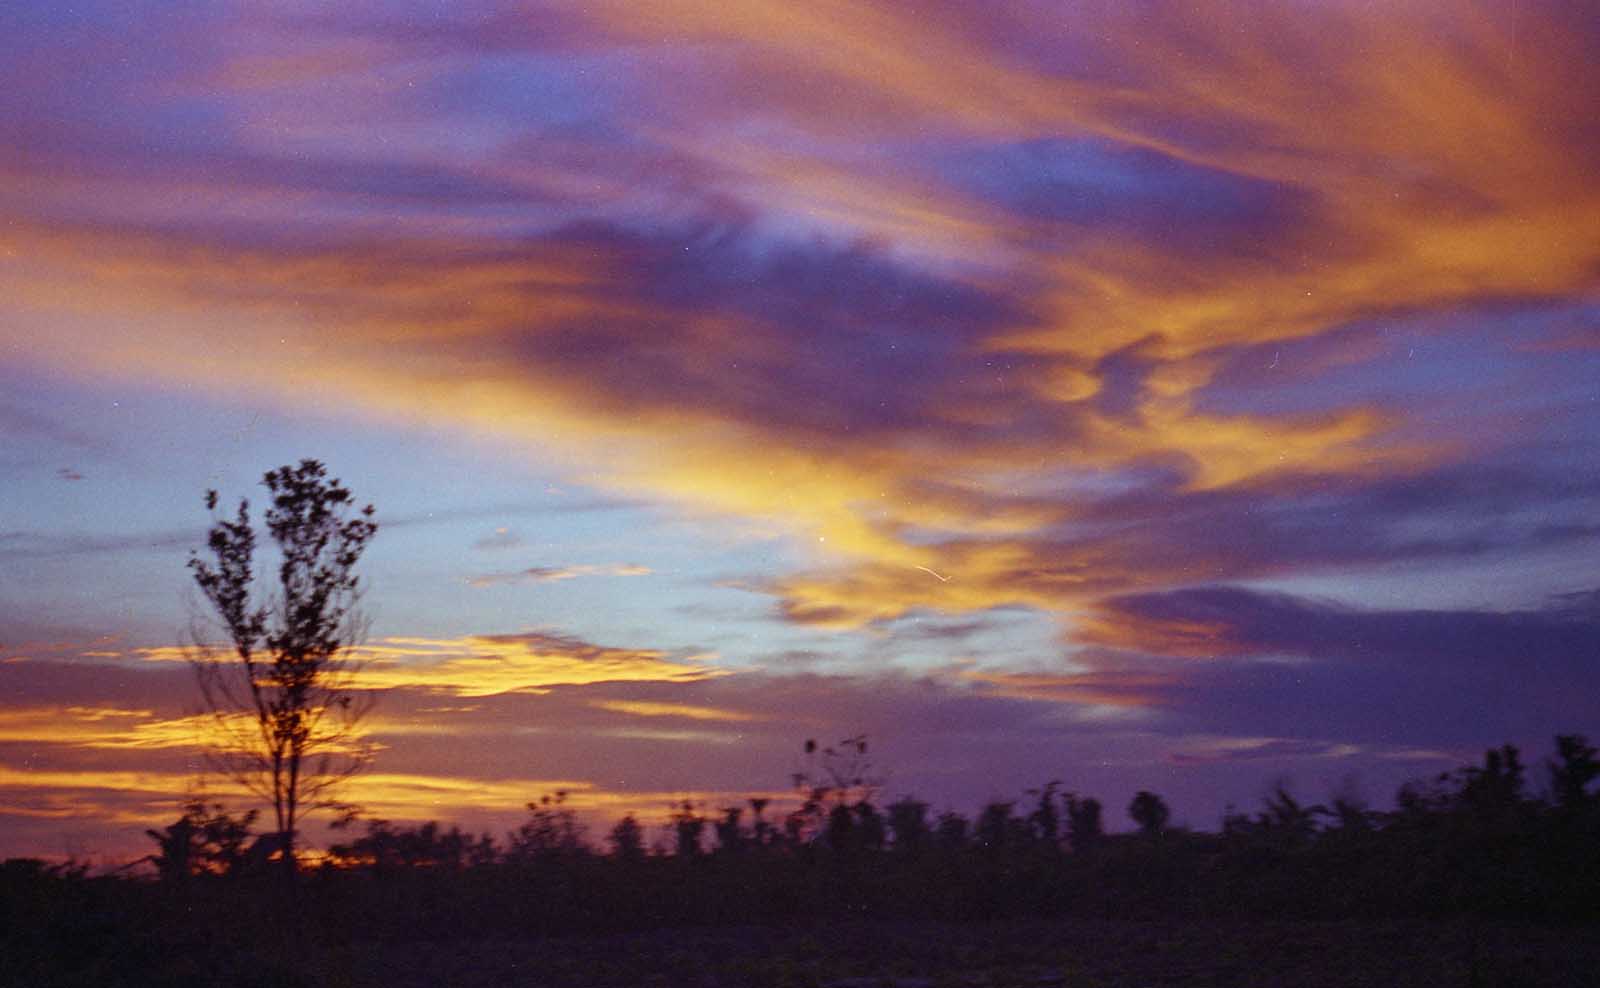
x,y
1179,396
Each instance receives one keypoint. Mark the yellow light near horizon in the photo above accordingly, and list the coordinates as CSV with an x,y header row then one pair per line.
x,y
646,708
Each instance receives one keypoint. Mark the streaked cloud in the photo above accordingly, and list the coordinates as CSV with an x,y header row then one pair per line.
x,y
1218,622
101,727
500,538
686,711
484,665
551,574
1115,689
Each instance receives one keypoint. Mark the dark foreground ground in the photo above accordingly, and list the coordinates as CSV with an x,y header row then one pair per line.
x,y
1073,954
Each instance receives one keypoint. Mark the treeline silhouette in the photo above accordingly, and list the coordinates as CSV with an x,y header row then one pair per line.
x,y
1492,840
1483,840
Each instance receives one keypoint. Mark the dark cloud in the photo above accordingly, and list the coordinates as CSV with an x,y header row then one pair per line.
x,y
1247,662
1266,750
945,630
500,538
1099,185
1463,510
41,545
558,504
1249,623
21,423
1155,530
805,340
58,677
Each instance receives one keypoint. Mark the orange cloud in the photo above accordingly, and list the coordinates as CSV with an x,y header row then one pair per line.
x,y
1167,636
1419,174
484,665
102,727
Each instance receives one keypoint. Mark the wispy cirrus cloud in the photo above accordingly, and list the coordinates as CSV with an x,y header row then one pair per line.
x,y
552,574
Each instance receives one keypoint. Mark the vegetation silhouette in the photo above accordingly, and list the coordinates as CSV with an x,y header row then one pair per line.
x,y
1468,842
205,840
280,690
1479,845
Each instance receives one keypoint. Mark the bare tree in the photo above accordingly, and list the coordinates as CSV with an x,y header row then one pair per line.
x,y
281,690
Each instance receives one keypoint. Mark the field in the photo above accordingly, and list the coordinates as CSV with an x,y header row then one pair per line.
x,y
1062,954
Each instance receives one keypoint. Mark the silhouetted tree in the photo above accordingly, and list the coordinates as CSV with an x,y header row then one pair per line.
x,y
388,848
281,692
482,853
761,832
1291,823
731,837
1348,809
1572,770
1465,843
204,840
551,831
1045,820
833,782
951,831
1084,825
687,828
998,828
854,827
627,839
1495,789
840,831
1149,811
908,823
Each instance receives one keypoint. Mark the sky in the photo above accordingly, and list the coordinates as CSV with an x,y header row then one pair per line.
x,y
1192,397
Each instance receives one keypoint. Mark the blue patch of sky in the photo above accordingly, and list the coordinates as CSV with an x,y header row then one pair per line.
x,y
111,56
109,549
1480,371
1510,581
1006,638
672,606
513,92
23,22
1095,183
